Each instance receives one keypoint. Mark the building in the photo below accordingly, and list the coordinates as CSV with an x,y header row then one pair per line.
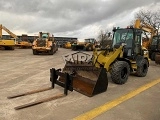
x,y
60,40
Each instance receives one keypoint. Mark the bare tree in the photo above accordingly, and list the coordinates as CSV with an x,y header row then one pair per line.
x,y
150,17
104,38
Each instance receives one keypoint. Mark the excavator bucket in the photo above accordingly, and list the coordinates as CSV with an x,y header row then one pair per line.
x,y
87,79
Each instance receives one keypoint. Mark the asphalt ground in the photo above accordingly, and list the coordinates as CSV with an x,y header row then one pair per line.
x,y
21,71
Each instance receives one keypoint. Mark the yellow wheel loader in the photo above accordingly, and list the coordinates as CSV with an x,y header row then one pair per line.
x,y
88,45
87,73
44,44
91,44
68,44
126,55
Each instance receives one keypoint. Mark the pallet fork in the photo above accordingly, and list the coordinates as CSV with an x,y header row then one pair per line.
x,y
54,74
83,78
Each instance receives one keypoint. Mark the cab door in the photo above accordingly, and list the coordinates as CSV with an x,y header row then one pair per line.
x,y
138,43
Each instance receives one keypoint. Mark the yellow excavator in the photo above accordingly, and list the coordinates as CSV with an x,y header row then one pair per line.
x,y
45,43
147,42
8,44
147,28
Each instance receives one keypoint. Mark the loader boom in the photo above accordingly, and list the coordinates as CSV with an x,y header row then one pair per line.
x,y
8,31
106,57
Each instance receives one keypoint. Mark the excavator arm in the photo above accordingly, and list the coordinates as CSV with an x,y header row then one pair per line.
x,y
146,28
8,31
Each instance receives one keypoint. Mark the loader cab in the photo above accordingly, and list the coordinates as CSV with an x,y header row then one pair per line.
x,y
90,40
131,38
44,36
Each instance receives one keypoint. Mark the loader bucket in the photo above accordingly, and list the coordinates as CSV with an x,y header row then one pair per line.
x,y
87,79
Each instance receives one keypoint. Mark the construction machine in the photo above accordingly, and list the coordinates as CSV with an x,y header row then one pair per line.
x,y
126,55
77,45
147,28
24,42
45,43
8,44
87,73
154,49
150,41
88,45
68,44
91,44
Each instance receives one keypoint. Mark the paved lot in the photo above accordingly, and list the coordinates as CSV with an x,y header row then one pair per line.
x,y
21,71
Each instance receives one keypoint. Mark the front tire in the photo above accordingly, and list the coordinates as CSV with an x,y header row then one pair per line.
x,y
142,69
74,48
51,51
120,71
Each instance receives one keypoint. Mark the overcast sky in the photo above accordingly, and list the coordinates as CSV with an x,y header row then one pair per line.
x,y
70,18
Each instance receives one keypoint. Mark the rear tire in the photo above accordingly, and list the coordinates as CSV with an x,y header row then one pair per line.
x,y
119,72
142,69
74,48
51,51
35,52
153,56
157,58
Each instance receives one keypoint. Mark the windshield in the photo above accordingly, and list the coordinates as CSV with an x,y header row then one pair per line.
x,y
123,36
44,35
89,40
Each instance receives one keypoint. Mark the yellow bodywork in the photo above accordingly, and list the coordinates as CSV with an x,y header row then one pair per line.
x,y
7,43
46,48
67,45
24,44
106,58
45,43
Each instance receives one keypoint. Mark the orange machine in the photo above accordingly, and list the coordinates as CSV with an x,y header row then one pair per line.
x,y
45,43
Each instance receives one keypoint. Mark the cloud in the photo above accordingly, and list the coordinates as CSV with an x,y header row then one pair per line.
x,y
69,17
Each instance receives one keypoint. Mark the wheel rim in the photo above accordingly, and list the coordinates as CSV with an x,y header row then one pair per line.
x,y
124,73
